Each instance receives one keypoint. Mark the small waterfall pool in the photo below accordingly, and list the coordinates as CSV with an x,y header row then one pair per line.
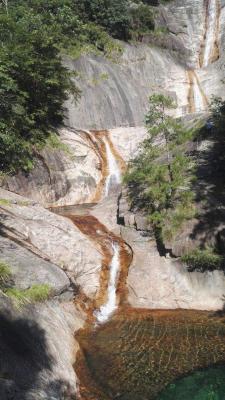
x,y
107,309
144,355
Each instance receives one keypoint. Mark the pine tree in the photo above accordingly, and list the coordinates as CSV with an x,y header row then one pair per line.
x,y
159,178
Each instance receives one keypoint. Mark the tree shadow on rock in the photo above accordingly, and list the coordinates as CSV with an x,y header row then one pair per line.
x,y
210,189
23,356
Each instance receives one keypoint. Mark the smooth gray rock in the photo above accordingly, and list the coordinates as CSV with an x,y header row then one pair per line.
x,y
53,237
116,94
28,269
163,283
38,351
60,177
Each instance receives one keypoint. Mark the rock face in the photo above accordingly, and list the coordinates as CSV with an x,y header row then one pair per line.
x,y
38,351
121,99
51,237
73,177
61,176
115,94
160,282
37,342
167,283
28,269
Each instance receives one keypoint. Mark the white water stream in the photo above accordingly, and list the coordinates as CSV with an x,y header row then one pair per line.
x,y
105,311
114,174
211,32
198,96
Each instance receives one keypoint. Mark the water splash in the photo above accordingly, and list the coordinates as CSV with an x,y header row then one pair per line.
x,y
210,32
114,174
105,311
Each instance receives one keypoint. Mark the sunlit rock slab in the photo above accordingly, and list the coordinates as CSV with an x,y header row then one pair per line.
x,y
62,176
159,282
116,94
53,237
28,269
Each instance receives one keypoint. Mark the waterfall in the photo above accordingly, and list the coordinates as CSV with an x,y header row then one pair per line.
x,y
197,99
110,306
211,24
198,96
114,174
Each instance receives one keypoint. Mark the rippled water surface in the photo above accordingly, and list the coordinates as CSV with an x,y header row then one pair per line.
x,y
138,354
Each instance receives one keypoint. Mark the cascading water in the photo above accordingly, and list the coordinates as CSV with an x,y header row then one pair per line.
x,y
198,96
210,38
114,174
197,100
105,311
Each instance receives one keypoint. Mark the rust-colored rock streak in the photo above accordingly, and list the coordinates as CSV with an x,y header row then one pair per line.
x,y
103,239
98,138
197,99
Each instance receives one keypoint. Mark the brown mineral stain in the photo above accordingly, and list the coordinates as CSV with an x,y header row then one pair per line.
x,y
191,77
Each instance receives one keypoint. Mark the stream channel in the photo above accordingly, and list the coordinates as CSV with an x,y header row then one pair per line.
x,y
136,354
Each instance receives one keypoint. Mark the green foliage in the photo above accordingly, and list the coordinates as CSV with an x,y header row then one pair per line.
x,y
36,293
113,15
203,260
218,116
34,85
142,20
53,141
159,178
34,82
5,202
5,274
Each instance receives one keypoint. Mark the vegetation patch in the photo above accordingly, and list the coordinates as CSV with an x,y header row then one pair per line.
x,y
5,274
54,142
204,260
160,178
36,293
5,202
34,81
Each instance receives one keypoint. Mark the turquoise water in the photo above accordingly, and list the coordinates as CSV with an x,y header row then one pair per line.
x,y
202,385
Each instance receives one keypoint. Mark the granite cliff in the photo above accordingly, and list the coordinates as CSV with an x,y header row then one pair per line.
x,y
82,182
